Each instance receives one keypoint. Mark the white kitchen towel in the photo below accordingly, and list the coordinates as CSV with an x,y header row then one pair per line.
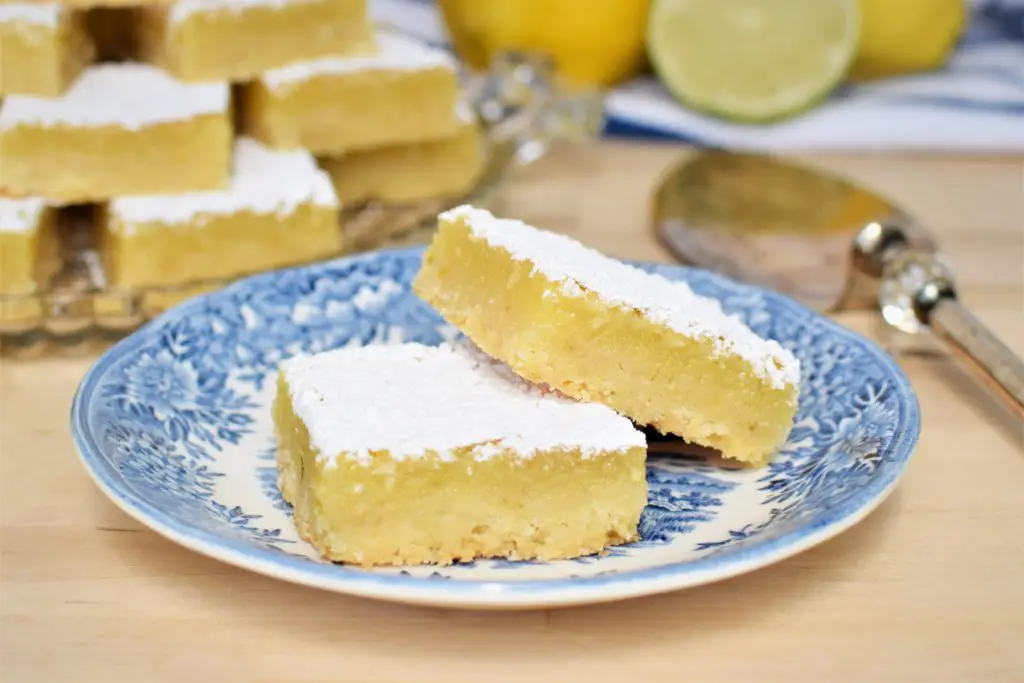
x,y
975,104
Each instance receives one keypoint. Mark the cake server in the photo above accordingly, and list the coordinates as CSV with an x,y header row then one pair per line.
x,y
829,244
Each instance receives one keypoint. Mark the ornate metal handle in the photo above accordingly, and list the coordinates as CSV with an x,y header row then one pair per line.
x,y
980,351
918,291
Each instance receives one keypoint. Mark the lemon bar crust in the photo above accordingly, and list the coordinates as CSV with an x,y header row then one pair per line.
x,y
121,129
206,40
26,228
216,246
279,209
43,47
410,172
404,93
72,165
29,256
600,330
425,477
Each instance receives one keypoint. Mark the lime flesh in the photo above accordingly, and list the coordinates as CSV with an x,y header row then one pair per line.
x,y
752,60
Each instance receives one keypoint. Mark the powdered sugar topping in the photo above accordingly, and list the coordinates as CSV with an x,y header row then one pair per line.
x,y
20,214
663,301
126,95
264,181
411,399
39,14
183,9
395,52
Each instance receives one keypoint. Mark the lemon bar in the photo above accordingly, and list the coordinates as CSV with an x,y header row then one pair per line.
x,y
406,92
237,40
29,257
601,330
121,129
279,209
409,454
412,171
26,226
42,48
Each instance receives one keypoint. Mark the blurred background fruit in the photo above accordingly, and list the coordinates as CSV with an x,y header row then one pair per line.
x,y
905,36
752,60
743,60
593,43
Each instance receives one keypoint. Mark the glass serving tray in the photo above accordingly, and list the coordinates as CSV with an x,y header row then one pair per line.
x,y
520,110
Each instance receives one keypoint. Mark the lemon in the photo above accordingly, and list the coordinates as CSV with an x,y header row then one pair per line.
x,y
904,36
752,60
597,44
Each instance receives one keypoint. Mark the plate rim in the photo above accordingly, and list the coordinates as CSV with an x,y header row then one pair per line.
x,y
525,594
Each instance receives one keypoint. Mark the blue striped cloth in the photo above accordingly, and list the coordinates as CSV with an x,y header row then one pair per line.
x,y
975,104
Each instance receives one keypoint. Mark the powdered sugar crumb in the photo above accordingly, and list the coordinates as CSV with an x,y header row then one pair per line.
x,y
663,301
394,53
39,14
263,181
128,95
20,214
183,9
412,399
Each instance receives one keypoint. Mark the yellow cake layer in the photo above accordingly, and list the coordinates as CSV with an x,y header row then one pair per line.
x,y
573,339
336,105
17,261
43,59
238,42
28,245
410,172
212,246
475,501
75,165
29,257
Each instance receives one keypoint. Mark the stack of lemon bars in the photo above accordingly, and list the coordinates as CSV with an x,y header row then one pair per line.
x,y
210,138
522,439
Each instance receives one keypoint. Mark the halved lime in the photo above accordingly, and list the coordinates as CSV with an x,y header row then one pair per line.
x,y
752,60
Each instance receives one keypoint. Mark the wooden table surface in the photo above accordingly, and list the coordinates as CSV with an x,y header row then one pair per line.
x,y
928,588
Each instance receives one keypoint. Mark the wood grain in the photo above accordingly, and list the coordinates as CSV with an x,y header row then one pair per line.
x,y
928,588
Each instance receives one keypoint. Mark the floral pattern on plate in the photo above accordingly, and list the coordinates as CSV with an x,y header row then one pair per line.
x,y
173,423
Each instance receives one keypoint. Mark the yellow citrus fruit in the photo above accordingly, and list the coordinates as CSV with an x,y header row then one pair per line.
x,y
592,43
905,36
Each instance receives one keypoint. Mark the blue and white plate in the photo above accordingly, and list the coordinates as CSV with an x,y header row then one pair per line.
x,y
173,423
